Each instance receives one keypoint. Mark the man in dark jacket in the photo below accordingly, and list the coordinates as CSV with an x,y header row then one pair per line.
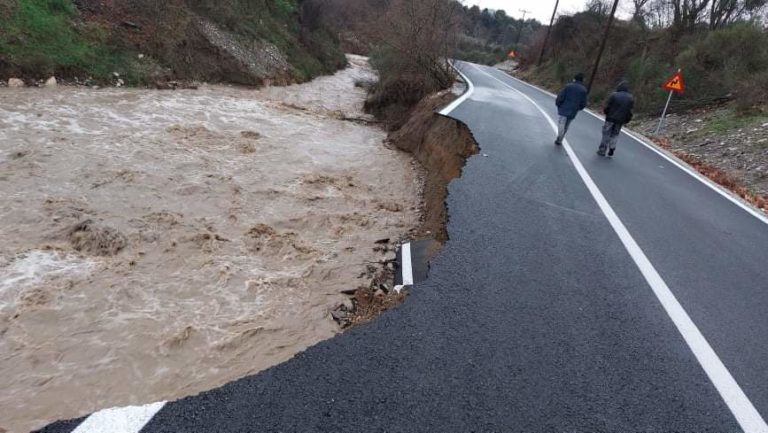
x,y
571,99
618,112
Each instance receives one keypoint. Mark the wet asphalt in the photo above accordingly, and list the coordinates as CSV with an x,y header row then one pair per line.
x,y
534,317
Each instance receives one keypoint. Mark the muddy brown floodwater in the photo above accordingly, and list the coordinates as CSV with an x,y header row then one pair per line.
x,y
158,244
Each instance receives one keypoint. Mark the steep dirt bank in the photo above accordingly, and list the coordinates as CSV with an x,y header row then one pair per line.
x,y
441,145
147,42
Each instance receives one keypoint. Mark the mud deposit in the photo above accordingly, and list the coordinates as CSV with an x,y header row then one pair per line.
x,y
157,244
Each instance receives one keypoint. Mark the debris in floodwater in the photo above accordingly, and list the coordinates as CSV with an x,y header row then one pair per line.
x,y
88,238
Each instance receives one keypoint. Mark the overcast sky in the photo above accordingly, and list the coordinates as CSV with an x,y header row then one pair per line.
x,y
539,9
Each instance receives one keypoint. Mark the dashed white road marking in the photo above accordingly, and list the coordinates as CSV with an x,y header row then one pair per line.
x,y
737,401
120,419
679,164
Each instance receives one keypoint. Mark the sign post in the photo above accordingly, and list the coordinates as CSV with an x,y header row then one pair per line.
x,y
674,84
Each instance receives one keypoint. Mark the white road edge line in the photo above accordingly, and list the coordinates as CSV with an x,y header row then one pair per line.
x,y
470,89
405,255
120,419
680,164
747,416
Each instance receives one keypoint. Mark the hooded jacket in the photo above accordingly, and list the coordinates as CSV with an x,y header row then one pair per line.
x,y
618,108
571,99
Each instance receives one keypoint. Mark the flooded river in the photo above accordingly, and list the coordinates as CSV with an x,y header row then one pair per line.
x,y
158,244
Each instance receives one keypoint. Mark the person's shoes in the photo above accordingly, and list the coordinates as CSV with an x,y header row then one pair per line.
x,y
558,143
610,152
601,152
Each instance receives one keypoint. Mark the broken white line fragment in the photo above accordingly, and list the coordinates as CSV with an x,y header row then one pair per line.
x,y
129,419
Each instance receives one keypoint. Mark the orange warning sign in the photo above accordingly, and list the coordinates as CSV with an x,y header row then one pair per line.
x,y
675,83
512,54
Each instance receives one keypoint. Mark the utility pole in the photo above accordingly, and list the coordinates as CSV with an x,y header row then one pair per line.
x,y
549,29
520,29
602,45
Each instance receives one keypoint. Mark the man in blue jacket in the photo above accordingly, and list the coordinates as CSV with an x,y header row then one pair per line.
x,y
570,100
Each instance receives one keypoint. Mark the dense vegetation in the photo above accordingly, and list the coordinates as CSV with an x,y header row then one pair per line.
x,y
41,37
487,36
722,48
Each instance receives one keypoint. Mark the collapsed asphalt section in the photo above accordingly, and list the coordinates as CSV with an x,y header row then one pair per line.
x,y
160,244
534,318
441,146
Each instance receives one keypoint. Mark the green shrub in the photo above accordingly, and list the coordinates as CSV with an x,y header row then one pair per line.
x,y
401,85
752,93
285,7
43,37
717,65
477,51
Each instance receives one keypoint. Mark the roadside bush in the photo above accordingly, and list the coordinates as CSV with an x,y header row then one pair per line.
x,y
403,82
393,98
414,40
286,7
397,90
752,94
645,76
40,38
715,66
477,51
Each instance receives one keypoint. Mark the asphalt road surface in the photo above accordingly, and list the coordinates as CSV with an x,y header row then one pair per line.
x,y
576,294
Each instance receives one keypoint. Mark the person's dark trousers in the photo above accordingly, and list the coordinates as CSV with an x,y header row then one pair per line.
x,y
563,123
611,131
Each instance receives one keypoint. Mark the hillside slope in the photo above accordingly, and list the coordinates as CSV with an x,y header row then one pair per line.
x,y
148,42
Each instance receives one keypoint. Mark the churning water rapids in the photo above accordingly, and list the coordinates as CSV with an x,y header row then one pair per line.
x,y
156,244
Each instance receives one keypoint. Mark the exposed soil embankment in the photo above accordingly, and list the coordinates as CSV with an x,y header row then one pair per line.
x,y
441,145
132,42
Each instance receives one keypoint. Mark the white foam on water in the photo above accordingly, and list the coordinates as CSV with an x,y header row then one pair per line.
x,y
35,266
